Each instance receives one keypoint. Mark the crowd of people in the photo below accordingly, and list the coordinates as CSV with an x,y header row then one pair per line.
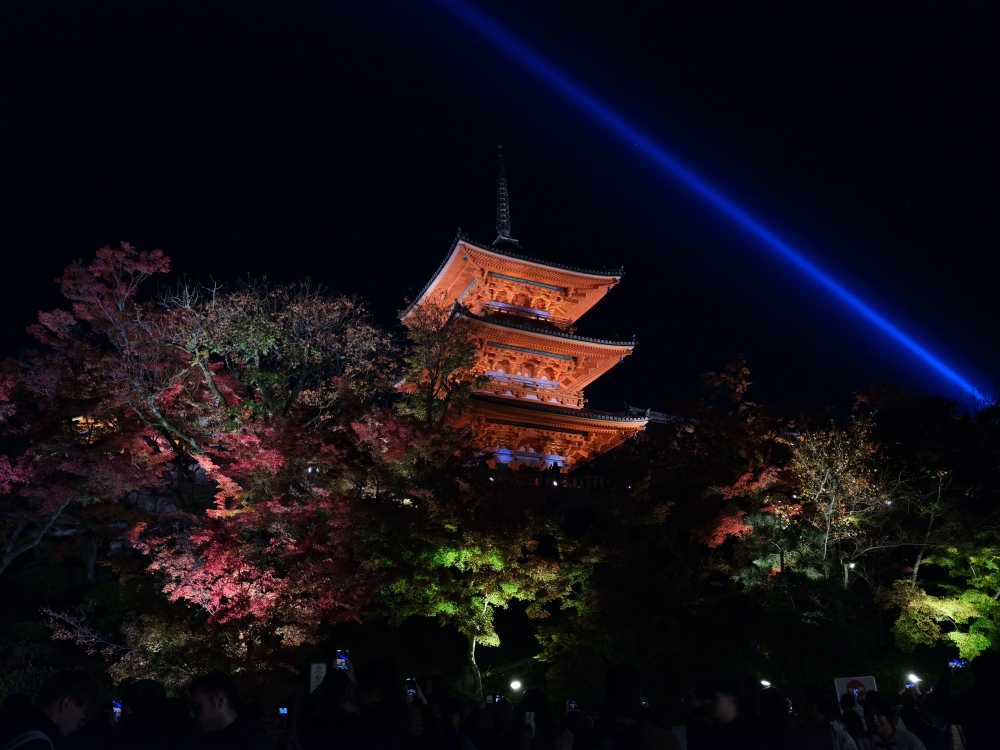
x,y
377,710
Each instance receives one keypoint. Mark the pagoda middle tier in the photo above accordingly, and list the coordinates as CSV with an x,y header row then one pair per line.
x,y
525,361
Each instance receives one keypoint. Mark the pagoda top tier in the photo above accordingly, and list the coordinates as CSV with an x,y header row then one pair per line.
x,y
497,280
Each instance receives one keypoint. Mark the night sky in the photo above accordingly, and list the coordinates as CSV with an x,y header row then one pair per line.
x,y
348,141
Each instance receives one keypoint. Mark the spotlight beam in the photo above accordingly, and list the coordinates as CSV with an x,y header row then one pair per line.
x,y
649,148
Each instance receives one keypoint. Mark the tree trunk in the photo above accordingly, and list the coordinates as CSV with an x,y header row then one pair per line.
x,y
92,547
927,536
207,374
828,518
477,678
13,551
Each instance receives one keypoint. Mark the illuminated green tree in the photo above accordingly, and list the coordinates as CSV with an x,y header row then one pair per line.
x,y
450,538
440,363
966,610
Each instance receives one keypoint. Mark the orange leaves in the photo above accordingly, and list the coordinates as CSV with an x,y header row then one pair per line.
x,y
732,383
746,484
716,531
783,510
247,454
385,435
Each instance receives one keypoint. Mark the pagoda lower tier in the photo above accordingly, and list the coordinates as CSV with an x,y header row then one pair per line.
x,y
521,433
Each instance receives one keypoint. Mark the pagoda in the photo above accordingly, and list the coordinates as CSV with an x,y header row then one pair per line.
x,y
521,311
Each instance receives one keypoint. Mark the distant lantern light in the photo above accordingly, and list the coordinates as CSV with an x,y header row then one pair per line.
x,y
555,483
515,685
851,566
765,683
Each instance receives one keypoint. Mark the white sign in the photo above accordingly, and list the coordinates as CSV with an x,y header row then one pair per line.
x,y
317,671
850,684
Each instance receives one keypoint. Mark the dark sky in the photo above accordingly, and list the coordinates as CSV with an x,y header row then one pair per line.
x,y
347,141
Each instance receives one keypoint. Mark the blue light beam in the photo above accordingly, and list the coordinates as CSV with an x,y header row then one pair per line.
x,y
645,145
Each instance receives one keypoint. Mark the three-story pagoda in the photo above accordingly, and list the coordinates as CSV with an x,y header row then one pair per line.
x,y
521,310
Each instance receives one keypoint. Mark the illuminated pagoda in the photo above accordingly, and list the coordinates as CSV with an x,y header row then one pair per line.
x,y
521,310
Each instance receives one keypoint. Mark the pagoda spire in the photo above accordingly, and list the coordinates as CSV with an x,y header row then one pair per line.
x,y
503,203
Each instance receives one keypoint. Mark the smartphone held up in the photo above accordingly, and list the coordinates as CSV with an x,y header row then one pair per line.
x,y
342,659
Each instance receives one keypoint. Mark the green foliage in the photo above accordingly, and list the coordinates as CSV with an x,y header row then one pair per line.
x,y
296,345
24,650
26,681
440,363
970,610
171,650
921,615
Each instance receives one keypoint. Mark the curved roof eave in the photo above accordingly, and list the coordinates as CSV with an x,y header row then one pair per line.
x,y
615,273
460,237
466,312
562,411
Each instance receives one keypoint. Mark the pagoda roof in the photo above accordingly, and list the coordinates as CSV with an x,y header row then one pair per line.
x,y
616,273
553,333
504,251
561,411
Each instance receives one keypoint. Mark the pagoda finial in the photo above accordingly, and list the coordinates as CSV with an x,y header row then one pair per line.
x,y
503,203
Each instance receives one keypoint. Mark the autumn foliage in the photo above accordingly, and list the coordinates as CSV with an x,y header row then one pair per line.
x,y
240,451
256,463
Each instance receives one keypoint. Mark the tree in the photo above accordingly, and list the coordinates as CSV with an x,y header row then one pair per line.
x,y
662,586
943,588
763,538
273,553
838,484
243,461
276,491
441,363
77,447
965,608
451,538
210,421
